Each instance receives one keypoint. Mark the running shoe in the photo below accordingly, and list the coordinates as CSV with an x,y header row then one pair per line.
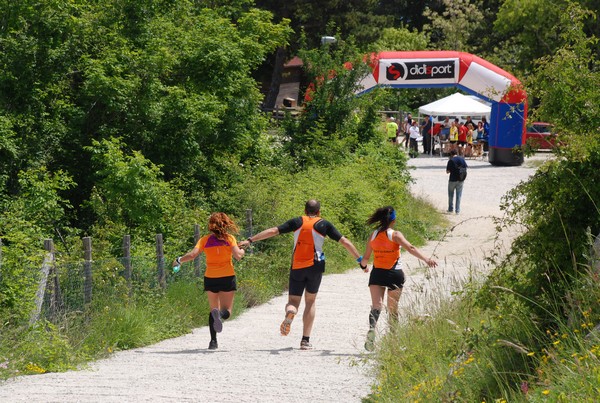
x,y
305,345
286,325
217,324
370,343
213,345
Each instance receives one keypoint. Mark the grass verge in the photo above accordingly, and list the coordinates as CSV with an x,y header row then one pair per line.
x,y
451,349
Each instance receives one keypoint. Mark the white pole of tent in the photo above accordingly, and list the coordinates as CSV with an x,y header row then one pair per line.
x,y
431,145
422,138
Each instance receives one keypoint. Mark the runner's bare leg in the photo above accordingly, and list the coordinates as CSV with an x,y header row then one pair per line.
x,y
310,310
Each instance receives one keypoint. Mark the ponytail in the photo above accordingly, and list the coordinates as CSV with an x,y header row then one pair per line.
x,y
383,217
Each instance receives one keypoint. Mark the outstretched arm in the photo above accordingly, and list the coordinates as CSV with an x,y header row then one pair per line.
x,y
354,252
399,238
268,233
191,255
349,247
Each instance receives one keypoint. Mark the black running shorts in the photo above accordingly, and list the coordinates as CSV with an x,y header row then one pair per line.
x,y
391,279
308,278
220,284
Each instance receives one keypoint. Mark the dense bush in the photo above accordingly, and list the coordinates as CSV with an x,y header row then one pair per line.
x,y
559,209
334,120
464,352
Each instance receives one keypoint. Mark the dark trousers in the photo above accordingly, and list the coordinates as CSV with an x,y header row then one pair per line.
x,y
413,145
427,143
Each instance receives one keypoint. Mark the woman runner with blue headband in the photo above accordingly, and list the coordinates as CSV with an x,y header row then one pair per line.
x,y
385,245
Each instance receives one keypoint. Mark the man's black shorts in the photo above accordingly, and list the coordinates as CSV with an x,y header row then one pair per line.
x,y
391,279
220,284
308,278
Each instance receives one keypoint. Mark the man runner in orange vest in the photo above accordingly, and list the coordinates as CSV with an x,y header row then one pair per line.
x,y
308,263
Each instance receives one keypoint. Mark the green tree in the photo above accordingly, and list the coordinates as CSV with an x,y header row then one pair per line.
x,y
569,80
363,20
171,78
405,13
526,31
402,39
397,39
38,43
130,195
335,120
450,28
311,21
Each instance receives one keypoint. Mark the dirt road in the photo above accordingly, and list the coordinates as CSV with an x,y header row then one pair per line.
x,y
254,363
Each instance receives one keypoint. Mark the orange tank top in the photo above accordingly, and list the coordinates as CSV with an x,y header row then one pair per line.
x,y
386,252
308,244
218,253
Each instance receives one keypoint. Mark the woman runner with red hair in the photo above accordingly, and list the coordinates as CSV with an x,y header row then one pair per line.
x,y
219,278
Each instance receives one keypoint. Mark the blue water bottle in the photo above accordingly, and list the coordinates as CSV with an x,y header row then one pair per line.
x,y
178,266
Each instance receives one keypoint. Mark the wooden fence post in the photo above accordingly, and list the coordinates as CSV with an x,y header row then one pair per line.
x,y
39,295
56,302
197,258
0,259
127,260
160,261
87,270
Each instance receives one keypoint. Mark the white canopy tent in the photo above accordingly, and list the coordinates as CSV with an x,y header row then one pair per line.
x,y
455,105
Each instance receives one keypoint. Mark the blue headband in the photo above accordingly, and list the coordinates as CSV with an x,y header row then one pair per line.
x,y
392,215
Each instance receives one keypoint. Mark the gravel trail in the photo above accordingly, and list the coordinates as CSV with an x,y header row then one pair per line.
x,y
254,363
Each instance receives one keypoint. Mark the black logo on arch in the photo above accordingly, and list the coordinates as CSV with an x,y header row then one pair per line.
x,y
394,71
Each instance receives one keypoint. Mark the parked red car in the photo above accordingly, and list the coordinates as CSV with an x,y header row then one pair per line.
x,y
539,135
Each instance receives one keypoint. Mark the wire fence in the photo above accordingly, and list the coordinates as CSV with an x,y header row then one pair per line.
x,y
67,287
70,288
67,290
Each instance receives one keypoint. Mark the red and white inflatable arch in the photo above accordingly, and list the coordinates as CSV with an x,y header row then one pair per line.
x,y
470,73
